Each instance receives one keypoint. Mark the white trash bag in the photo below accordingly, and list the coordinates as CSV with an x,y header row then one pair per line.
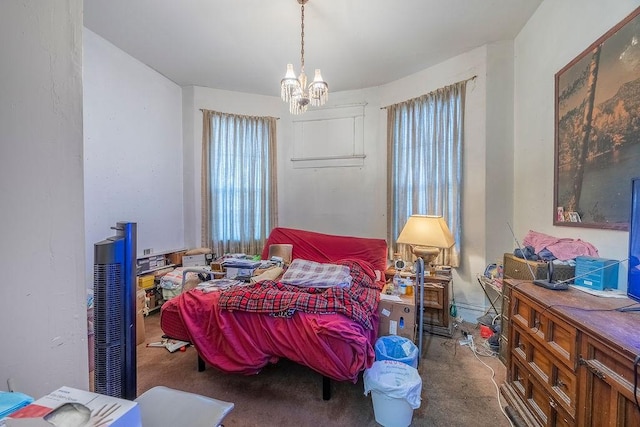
x,y
394,379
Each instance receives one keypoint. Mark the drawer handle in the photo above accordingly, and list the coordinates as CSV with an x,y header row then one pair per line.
x,y
595,371
560,383
553,404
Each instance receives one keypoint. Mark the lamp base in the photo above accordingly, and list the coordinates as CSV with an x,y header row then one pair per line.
x,y
428,255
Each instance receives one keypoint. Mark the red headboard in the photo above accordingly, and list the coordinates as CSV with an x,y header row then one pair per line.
x,y
320,247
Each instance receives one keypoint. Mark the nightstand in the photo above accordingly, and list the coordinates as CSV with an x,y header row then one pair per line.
x,y
436,302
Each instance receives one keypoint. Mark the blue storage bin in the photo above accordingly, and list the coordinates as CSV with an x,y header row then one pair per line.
x,y
400,349
596,273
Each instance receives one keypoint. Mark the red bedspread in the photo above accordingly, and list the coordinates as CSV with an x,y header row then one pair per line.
x,y
332,331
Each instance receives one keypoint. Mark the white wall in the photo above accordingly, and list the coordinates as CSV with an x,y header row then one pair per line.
x,y
344,200
545,45
42,297
132,150
194,99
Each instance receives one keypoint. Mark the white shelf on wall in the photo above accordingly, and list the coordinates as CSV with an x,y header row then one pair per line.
x,y
329,137
151,270
142,256
145,261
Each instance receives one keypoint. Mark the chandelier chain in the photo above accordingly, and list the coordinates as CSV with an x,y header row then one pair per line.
x,y
302,39
295,90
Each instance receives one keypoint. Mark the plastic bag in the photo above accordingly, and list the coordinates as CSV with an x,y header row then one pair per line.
x,y
400,349
395,379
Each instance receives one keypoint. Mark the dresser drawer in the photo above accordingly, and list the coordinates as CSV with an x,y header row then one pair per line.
x,y
432,317
436,319
545,408
553,334
433,296
607,373
518,378
557,379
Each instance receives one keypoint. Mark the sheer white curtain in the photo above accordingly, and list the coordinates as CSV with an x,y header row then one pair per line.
x,y
424,155
239,188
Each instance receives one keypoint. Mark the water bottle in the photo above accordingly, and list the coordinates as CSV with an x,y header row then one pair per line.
x,y
396,283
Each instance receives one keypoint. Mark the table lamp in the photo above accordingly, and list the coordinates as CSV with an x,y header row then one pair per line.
x,y
427,235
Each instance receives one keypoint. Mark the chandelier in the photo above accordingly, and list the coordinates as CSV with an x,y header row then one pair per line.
x,y
294,89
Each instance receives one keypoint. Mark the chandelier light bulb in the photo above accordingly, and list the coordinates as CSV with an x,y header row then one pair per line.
x,y
289,84
318,90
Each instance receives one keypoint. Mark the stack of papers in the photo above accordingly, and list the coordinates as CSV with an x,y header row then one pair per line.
x,y
218,285
240,263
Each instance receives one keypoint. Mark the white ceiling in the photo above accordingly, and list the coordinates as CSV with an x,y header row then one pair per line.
x,y
244,45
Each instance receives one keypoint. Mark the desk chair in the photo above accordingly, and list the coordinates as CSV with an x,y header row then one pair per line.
x,y
165,407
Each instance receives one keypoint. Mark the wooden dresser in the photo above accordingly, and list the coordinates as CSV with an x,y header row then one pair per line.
x,y
570,359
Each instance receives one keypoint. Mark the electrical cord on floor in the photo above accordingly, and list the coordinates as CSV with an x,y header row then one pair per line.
x,y
493,375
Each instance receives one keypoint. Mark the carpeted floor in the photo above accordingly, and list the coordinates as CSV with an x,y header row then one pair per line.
x,y
456,387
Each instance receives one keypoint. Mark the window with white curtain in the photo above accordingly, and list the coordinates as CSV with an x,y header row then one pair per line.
x,y
239,188
424,154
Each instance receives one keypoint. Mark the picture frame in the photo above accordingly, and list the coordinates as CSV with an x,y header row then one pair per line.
x,y
574,217
597,130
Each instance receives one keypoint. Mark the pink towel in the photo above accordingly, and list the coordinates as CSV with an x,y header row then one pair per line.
x,y
562,248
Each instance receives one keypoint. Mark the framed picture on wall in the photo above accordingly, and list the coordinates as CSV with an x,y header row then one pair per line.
x,y
597,130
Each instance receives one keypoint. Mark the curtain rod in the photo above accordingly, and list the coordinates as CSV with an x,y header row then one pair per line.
x,y
239,115
466,80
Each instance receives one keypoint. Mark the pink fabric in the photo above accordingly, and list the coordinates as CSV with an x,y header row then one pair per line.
x,y
562,248
321,247
243,342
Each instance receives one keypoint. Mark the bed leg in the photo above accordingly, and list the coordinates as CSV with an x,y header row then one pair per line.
x,y
326,388
200,364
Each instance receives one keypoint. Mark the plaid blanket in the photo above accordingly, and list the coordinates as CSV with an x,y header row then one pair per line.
x,y
307,273
358,301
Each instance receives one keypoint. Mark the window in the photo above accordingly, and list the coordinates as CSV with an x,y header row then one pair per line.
x,y
239,204
424,149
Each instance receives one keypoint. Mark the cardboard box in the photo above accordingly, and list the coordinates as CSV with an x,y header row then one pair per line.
x,y
397,317
176,257
66,405
194,260
147,281
140,306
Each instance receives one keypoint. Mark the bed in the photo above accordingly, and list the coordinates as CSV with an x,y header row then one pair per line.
x,y
330,330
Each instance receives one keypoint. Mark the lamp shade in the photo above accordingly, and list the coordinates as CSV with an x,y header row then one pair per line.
x,y
426,230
